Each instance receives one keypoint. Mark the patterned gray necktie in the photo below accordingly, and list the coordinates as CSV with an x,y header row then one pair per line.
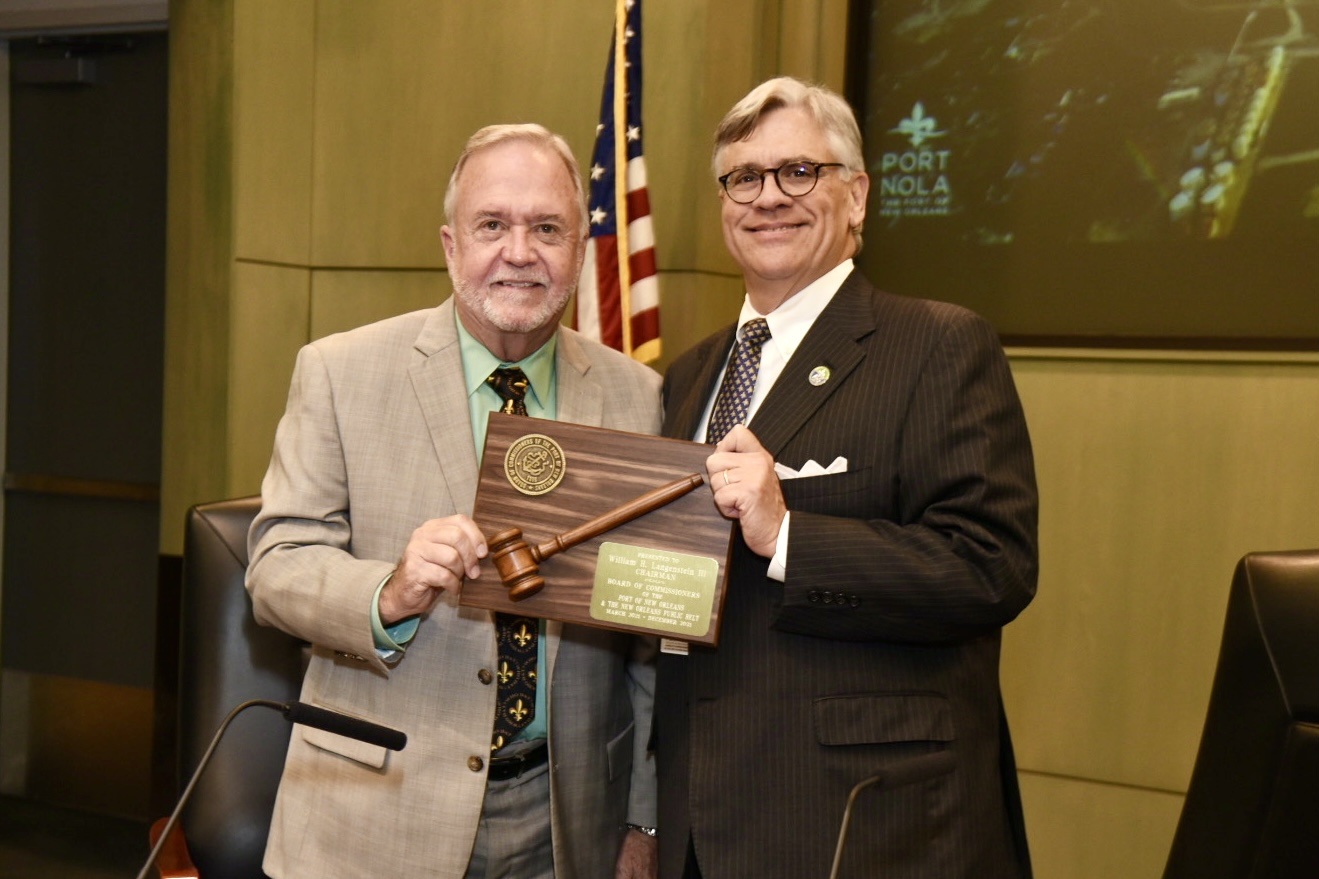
x,y
734,398
516,634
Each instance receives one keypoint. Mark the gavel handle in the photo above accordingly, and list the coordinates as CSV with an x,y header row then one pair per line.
x,y
635,508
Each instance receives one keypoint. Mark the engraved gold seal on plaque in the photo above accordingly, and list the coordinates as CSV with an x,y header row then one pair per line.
x,y
535,464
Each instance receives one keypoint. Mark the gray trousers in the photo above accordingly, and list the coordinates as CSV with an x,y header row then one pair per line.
x,y
514,839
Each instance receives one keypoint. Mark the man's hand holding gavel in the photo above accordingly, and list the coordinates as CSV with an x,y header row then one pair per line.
x,y
439,555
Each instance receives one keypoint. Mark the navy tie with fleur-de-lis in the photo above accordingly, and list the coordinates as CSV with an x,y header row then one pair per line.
x,y
516,635
734,398
510,383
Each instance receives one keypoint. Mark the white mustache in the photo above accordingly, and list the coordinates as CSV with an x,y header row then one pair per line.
x,y
521,282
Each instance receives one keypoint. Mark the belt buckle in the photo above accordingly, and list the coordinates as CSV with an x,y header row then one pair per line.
x,y
512,766
504,768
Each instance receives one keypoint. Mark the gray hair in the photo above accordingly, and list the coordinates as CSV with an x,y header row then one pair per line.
x,y
833,114
828,108
537,135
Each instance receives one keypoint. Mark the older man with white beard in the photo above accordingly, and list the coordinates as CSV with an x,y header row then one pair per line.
x,y
365,539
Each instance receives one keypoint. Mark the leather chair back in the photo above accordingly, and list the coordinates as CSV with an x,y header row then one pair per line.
x,y
1252,807
225,660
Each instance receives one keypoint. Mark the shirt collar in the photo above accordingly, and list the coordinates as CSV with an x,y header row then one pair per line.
x,y
478,363
792,320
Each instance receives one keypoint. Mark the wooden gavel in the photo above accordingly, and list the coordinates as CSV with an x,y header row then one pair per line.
x,y
516,561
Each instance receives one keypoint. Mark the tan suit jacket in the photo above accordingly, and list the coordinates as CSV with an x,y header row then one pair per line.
x,y
377,439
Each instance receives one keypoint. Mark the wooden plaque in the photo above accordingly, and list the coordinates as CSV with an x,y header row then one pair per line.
x,y
662,573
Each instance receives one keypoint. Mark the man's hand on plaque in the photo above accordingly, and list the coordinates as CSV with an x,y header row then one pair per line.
x,y
746,488
439,555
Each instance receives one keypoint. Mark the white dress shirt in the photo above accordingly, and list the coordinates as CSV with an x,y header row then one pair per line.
x,y
788,325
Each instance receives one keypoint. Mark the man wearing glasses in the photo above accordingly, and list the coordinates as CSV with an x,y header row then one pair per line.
x,y
873,451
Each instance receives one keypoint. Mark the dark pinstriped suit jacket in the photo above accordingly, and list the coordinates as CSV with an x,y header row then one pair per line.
x,y
883,643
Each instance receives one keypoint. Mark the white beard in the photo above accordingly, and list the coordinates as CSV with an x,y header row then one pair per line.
x,y
508,310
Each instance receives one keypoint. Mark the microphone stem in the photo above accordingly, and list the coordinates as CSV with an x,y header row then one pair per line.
x,y
192,782
847,819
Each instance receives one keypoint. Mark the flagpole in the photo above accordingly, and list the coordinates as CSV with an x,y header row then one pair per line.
x,y
620,172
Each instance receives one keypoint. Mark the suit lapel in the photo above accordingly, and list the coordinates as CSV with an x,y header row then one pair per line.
x,y
832,343
685,411
437,380
581,399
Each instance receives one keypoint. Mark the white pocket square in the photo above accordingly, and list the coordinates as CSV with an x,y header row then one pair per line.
x,y
811,468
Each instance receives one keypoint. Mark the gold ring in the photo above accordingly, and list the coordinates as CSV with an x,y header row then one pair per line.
x,y
726,482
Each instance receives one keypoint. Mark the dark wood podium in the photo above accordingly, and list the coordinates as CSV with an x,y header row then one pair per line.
x,y
661,573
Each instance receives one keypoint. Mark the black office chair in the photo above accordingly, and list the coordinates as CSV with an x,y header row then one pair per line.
x,y
227,659
1252,808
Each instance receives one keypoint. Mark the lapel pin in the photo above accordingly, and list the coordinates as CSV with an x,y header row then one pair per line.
x,y
819,375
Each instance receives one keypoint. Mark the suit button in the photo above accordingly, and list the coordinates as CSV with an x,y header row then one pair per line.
x,y
476,764
828,597
484,676
814,596
854,600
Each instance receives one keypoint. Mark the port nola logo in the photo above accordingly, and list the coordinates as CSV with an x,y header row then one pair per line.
x,y
913,182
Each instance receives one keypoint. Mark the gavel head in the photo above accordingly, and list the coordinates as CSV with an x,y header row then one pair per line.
x,y
516,563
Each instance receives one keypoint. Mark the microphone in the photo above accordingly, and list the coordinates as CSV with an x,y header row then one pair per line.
x,y
921,768
343,725
295,712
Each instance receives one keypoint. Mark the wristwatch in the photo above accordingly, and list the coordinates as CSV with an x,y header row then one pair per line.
x,y
649,831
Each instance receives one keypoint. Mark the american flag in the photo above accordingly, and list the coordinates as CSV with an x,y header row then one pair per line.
x,y
619,273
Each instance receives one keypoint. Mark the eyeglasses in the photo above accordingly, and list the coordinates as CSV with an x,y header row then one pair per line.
x,y
794,179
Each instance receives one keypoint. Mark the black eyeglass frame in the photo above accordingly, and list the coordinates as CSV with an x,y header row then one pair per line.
x,y
765,172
